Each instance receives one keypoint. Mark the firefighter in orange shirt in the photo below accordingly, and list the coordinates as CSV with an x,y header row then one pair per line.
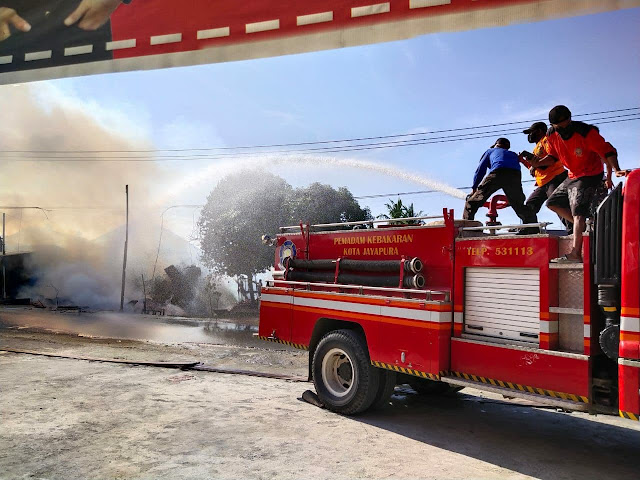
x,y
548,178
582,150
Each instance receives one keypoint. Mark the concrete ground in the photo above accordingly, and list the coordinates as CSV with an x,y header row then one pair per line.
x,y
74,419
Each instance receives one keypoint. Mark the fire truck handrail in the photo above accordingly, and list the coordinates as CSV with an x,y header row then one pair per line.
x,y
361,222
361,288
542,225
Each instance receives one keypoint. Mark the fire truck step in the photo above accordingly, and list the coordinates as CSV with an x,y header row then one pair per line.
x,y
566,266
568,311
555,402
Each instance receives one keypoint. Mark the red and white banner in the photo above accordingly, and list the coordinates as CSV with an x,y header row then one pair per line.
x,y
42,39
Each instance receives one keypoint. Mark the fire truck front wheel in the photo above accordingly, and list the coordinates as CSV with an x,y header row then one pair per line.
x,y
343,376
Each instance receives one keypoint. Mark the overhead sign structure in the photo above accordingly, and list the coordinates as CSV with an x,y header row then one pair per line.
x,y
43,39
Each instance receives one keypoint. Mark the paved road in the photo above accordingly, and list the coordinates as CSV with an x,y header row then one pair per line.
x,y
75,419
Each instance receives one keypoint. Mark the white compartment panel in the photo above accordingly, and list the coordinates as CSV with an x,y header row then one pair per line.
x,y
503,303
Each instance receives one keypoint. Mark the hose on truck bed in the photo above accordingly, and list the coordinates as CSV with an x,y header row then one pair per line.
x,y
410,281
412,265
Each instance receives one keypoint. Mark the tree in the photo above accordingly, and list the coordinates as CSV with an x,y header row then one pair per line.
x,y
398,210
409,212
239,210
245,205
320,203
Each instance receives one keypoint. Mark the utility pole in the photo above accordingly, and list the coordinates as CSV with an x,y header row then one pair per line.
x,y
4,273
144,291
126,242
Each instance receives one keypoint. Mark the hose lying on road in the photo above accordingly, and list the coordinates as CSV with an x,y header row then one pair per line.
x,y
250,373
106,360
308,396
180,365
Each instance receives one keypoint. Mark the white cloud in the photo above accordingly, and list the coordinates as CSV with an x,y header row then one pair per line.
x,y
182,132
285,118
442,46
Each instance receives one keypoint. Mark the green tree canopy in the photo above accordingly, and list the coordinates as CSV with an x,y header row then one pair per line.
x,y
245,205
320,203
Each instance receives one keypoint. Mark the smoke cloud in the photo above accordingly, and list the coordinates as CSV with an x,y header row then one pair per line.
x,y
78,239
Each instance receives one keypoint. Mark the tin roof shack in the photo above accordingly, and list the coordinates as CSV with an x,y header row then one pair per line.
x,y
14,276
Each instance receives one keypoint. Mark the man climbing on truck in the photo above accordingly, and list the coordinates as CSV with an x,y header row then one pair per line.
x,y
505,174
548,178
582,150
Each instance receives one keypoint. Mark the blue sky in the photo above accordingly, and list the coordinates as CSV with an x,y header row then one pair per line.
x,y
433,82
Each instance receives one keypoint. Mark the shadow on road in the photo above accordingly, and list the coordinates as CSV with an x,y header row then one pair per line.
x,y
543,444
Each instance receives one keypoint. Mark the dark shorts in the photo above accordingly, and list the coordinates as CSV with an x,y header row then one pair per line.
x,y
541,194
581,195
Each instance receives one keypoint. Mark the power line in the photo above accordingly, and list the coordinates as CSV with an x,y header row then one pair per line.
x,y
417,192
336,149
220,155
25,208
411,143
348,148
92,207
344,140
358,197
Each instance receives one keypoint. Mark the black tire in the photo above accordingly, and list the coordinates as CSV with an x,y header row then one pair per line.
x,y
388,380
344,378
423,386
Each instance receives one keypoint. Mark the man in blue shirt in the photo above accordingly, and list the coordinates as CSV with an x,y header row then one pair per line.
x,y
504,173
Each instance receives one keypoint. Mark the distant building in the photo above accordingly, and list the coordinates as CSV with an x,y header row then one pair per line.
x,y
17,274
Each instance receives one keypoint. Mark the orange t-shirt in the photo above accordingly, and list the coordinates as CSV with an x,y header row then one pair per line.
x,y
545,174
583,153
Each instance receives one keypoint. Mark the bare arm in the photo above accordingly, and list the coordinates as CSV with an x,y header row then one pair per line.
x,y
542,162
607,179
606,151
612,163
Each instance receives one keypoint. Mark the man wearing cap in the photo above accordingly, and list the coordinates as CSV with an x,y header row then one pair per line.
x,y
504,173
548,178
582,150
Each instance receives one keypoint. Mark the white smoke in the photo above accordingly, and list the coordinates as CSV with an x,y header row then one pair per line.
x,y
86,200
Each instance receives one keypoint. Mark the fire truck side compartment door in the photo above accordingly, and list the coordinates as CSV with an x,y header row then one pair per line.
x,y
502,303
276,314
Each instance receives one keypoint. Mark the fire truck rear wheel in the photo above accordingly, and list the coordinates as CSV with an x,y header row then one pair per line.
x,y
343,376
388,381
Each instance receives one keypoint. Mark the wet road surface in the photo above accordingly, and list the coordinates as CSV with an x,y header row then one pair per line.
x,y
135,326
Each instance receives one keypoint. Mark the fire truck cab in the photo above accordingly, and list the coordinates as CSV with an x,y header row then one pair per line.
x,y
447,303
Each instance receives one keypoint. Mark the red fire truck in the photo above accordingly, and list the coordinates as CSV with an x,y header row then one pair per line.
x,y
448,304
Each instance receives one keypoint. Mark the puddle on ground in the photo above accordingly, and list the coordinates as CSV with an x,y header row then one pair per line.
x,y
138,327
